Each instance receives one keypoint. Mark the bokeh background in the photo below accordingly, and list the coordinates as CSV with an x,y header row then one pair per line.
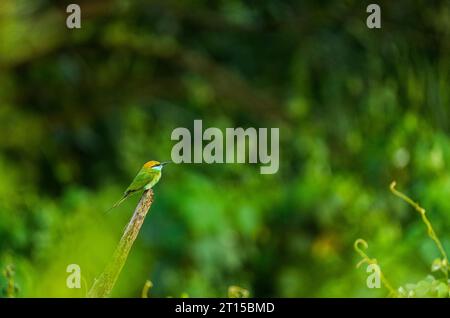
x,y
82,110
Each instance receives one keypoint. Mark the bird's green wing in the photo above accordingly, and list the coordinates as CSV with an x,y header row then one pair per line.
x,y
142,178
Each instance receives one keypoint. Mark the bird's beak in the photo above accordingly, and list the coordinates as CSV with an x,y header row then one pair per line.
x,y
165,162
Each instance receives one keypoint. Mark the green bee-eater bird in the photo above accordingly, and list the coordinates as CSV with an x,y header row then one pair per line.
x,y
145,179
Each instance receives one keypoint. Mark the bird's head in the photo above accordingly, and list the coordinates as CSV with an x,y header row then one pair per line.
x,y
155,165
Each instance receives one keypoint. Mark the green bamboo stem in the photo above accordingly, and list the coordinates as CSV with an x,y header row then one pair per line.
x,y
103,286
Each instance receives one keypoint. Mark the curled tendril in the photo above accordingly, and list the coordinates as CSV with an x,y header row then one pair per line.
x,y
366,259
364,256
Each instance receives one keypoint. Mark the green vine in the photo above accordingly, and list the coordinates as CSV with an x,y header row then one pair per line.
x,y
428,287
430,230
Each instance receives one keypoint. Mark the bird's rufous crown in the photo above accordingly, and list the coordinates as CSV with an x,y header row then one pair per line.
x,y
152,163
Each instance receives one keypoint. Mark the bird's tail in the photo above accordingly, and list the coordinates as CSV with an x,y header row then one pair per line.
x,y
117,203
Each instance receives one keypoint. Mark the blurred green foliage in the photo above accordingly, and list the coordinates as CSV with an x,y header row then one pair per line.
x,y
82,110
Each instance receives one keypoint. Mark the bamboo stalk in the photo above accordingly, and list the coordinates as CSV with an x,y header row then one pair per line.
x,y
103,286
